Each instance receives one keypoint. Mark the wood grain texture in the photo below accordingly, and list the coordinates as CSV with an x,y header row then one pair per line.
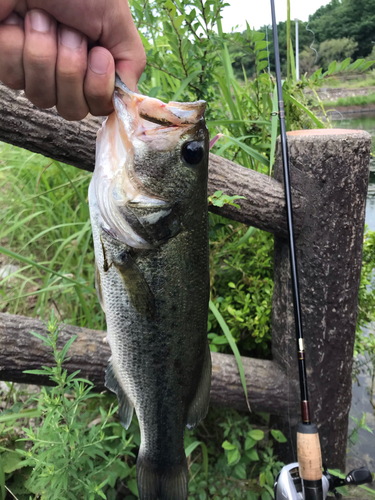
x,y
264,206
45,132
19,351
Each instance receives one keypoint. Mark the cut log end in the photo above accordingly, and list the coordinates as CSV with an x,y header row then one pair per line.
x,y
328,132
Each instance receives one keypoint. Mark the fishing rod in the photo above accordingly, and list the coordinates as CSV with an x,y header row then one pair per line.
x,y
302,480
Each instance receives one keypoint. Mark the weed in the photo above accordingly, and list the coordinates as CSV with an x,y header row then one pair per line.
x,y
78,449
47,230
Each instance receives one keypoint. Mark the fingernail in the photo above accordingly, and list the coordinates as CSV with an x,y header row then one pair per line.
x,y
40,21
12,19
99,62
71,38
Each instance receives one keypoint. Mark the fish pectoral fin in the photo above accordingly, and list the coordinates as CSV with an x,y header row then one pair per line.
x,y
125,406
140,294
98,287
156,483
199,406
106,267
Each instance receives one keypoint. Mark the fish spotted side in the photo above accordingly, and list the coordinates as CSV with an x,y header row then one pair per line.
x,y
148,207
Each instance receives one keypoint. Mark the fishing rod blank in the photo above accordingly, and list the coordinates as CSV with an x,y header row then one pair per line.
x,y
308,445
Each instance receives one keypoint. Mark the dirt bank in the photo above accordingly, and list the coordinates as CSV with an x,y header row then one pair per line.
x,y
344,110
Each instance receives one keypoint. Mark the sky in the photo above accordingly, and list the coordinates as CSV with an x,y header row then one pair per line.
x,y
258,12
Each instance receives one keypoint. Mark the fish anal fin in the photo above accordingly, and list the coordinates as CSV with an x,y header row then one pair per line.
x,y
98,287
125,406
199,406
155,483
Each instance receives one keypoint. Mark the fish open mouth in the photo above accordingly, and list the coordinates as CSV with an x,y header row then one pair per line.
x,y
150,116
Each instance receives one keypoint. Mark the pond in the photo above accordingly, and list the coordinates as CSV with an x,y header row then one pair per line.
x,y
363,402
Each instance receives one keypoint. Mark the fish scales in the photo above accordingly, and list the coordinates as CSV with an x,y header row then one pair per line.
x,y
149,217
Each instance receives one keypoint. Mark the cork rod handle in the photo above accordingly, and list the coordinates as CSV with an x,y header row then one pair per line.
x,y
309,454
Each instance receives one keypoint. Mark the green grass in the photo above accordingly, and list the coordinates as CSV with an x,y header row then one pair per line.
x,y
46,232
360,81
358,100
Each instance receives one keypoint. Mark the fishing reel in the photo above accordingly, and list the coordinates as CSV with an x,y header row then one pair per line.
x,y
289,485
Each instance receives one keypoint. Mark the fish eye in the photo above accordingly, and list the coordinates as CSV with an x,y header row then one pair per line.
x,y
192,152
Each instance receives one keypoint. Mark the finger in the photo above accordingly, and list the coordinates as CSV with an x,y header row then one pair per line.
x,y
39,58
6,8
70,73
11,49
100,81
121,38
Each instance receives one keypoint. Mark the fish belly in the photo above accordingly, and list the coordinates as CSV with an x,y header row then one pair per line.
x,y
160,363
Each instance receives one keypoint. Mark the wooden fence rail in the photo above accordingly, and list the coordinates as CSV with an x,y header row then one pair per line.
x,y
45,132
329,172
19,351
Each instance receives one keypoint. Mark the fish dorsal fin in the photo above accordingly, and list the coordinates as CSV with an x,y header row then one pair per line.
x,y
125,406
199,406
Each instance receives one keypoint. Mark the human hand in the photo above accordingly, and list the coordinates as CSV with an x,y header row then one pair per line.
x,y
46,48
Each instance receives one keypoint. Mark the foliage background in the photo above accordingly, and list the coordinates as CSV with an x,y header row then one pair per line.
x,y
340,29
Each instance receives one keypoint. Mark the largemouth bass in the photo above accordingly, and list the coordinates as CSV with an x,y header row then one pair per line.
x,y
148,206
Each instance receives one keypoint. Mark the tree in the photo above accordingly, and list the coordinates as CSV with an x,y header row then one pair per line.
x,y
353,19
306,38
307,61
335,50
342,28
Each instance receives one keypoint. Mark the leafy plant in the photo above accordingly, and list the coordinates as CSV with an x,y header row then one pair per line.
x,y
336,50
365,341
360,423
78,449
12,416
231,342
245,466
242,287
190,57
359,100
219,199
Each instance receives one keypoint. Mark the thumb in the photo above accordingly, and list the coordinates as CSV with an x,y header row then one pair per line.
x,y
6,8
121,38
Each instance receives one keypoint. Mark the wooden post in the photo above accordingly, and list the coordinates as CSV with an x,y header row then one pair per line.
x,y
331,168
